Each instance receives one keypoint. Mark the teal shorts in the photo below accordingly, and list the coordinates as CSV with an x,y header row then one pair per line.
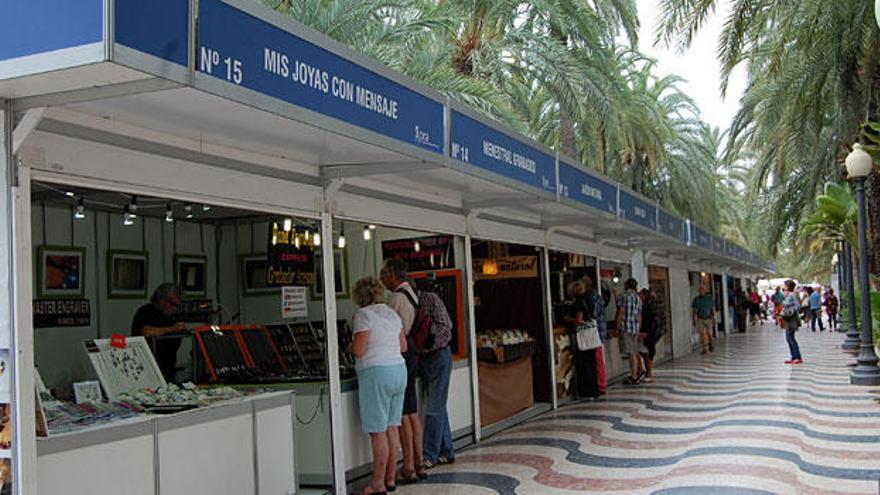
x,y
380,393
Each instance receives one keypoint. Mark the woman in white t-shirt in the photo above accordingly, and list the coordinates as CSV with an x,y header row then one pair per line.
x,y
377,345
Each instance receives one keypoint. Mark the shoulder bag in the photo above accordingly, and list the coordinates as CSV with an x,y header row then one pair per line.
x,y
587,335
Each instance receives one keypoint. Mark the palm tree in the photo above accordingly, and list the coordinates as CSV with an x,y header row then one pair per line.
x,y
813,78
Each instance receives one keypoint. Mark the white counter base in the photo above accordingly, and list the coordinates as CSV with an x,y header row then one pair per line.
x,y
241,446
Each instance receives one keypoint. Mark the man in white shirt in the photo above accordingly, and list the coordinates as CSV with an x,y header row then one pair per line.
x,y
404,300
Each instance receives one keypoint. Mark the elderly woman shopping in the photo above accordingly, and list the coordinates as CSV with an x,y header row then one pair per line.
x,y
378,342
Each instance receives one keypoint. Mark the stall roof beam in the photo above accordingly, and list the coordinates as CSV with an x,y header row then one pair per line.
x,y
486,201
129,88
566,221
400,199
26,126
150,147
346,170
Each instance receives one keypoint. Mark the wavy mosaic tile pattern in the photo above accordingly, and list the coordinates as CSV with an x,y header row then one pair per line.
x,y
736,422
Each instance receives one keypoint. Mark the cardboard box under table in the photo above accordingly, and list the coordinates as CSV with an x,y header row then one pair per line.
x,y
505,381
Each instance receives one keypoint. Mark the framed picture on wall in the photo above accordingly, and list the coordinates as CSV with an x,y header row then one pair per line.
x,y
60,271
191,275
253,276
127,274
340,275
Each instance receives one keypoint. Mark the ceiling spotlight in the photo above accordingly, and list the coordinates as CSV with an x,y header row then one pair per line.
x,y
316,239
288,224
128,217
69,194
188,210
206,207
296,241
80,212
372,227
341,243
417,246
367,234
133,207
169,214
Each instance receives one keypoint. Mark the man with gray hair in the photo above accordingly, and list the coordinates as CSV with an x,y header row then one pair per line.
x,y
156,319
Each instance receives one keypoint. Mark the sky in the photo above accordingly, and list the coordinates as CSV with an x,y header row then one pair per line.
x,y
698,65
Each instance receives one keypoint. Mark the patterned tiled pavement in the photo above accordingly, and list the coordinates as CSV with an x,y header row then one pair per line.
x,y
738,421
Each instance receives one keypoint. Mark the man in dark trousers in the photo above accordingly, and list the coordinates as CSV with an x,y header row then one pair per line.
x,y
156,319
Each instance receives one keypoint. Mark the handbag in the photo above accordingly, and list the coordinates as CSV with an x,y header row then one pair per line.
x,y
587,335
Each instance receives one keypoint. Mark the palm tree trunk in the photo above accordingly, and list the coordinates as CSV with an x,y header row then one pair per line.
x,y
603,148
567,141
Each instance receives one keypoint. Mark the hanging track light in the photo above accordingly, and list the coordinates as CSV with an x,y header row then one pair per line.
x,y
80,212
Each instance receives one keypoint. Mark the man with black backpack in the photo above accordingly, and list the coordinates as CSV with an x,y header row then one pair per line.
x,y
428,337
404,301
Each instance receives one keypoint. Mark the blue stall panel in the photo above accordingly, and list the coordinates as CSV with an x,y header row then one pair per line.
x,y
478,144
701,238
246,51
717,244
587,189
637,210
672,226
158,27
63,33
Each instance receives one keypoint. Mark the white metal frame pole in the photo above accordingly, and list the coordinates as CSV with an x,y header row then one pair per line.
x,y
337,431
548,323
15,308
472,336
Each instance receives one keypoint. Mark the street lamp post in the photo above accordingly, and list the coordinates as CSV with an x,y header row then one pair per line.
x,y
853,341
866,372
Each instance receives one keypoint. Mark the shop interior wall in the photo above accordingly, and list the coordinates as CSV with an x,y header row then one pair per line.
x,y
59,353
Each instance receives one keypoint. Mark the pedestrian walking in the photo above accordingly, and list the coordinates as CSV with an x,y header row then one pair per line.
x,y
578,317
778,298
816,310
650,332
832,305
741,310
754,306
703,317
629,317
791,310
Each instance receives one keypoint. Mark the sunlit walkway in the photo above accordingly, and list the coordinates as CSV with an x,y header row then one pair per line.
x,y
739,421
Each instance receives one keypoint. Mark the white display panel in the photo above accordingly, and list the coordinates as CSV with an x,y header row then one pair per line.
x,y
127,369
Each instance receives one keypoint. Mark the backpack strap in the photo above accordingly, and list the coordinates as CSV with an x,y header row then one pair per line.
x,y
409,297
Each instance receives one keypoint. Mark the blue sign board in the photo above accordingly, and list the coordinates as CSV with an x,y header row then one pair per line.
x,y
157,27
730,249
246,51
701,238
672,226
637,210
587,189
717,244
30,27
478,144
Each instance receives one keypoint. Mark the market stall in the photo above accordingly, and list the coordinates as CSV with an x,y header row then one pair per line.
x,y
566,268
247,311
193,103
513,349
